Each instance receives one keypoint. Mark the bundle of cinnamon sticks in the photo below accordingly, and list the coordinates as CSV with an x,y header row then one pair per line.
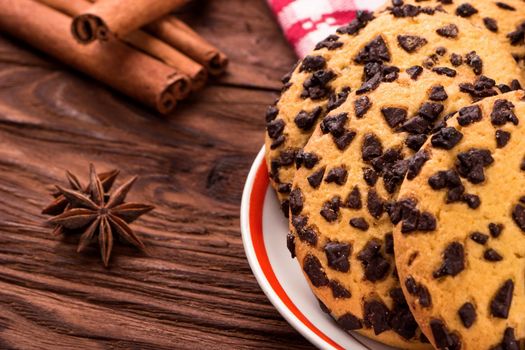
x,y
137,47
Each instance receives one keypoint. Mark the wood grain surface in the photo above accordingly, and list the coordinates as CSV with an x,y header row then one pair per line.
x,y
194,289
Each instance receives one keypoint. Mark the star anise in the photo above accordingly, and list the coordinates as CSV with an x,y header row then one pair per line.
x,y
98,214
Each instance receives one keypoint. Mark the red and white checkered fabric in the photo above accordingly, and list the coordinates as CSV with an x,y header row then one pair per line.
x,y
306,22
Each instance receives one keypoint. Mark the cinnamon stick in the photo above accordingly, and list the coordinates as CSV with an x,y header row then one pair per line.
x,y
119,18
145,42
178,34
119,66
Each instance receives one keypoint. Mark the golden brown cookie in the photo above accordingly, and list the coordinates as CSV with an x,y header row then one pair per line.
x,y
350,170
464,278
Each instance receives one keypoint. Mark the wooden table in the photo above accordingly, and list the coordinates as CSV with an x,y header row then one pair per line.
x,y
195,289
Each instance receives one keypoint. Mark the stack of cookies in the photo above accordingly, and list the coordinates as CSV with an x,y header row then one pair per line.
x,y
397,149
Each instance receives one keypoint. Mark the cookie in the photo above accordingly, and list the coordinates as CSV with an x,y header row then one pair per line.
x,y
359,58
470,266
504,20
349,173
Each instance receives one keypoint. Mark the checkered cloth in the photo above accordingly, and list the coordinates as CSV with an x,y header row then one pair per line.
x,y
306,22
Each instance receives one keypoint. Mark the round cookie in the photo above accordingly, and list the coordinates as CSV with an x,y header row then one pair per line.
x,y
350,170
469,269
343,63
504,20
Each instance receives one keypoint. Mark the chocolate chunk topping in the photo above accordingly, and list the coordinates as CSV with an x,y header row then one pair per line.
x,y
438,93
314,270
389,243
349,322
376,316
315,86
296,201
456,60
414,72
359,223
479,237
446,138
470,164
375,204
473,201
466,10
474,61
371,148
370,176
410,43
330,209
306,234
438,180
337,255
305,120
401,319
312,64
354,199
449,72
518,214
469,115
490,24
502,138
285,207
375,51
414,142
361,20
443,338
277,142
336,100
418,290
500,304
416,163
275,128
284,188
517,37
330,42
416,125
495,229
343,141
505,6
315,179
375,265
337,175
308,159
323,307
271,113
492,255
334,124
453,261
441,50
361,106
482,87
448,31
502,113
394,116
370,84
338,291
290,244
430,110
509,341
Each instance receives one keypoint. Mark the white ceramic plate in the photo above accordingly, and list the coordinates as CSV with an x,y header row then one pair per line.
x,y
264,230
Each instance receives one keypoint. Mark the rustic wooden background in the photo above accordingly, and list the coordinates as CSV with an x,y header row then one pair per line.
x,y
195,289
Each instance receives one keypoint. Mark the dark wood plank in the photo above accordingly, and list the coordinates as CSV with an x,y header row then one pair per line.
x,y
194,288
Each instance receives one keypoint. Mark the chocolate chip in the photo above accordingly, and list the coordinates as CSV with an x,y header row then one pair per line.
x,y
285,207
448,31
389,243
337,255
312,64
323,307
416,125
361,106
509,341
470,164
492,255
410,43
502,113
330,209
361,20
284,188
359,223
374,263
394,116
505,6
349,322
314,270
271,113
438,93
416,163
479,237
375,51
275,128
418,290
296,201
446,138
376,316
354,199
465,10
502,138
469,115
338,291
438,180
370,85
290,244
456,60
306,120
315,86
517,37
343,141
334,124
449,72
414,142
336,175
308,159
315,179
473,201
414,72
371,148
491,24
370,176
475,62
442,337
330,42
308,235
500,304
375,204
518,214
336,100
430,110
482,87
277,142
453,261
426,222
441,51
515,85
401,319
